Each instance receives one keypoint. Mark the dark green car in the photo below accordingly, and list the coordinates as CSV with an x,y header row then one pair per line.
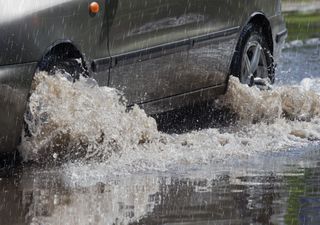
x,y
163,54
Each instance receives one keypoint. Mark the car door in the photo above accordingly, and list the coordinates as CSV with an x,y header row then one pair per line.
x,y
214,38
148,44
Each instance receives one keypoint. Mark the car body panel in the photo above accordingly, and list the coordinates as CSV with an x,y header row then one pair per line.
x,y
181,69
29,27
152,24
161,54
14,91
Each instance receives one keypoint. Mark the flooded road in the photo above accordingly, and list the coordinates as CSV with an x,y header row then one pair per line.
x,y
117,168
278,188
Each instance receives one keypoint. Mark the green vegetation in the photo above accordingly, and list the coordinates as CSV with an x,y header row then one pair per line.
x,y
296,190
303,25
295,1
300,187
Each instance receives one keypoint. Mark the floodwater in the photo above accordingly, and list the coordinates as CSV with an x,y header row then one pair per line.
x,y
118,168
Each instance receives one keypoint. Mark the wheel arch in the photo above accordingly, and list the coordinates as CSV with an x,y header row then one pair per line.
x,y
260,19
61,49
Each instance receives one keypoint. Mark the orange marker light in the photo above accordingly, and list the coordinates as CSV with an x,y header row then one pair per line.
x,y
94,7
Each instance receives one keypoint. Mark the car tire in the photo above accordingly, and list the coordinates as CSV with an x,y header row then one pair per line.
x,y
253,62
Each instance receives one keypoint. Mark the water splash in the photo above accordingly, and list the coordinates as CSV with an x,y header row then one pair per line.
x,y
290,102
78,120
89,123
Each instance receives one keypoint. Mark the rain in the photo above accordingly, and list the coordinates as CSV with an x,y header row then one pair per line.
x,y
142,128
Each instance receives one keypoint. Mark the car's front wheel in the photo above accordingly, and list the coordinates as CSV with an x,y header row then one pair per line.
x,y
253,62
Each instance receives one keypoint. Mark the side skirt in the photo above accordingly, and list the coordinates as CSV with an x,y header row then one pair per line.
x,y
179,101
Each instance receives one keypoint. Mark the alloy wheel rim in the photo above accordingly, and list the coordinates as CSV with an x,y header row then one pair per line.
x,y
254,68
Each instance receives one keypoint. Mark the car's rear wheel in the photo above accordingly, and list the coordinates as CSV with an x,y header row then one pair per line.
x,y
253,61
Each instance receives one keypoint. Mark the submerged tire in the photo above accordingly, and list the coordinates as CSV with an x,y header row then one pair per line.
x,y
253,62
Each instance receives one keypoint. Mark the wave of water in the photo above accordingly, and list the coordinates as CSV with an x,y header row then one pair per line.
x,y
83,122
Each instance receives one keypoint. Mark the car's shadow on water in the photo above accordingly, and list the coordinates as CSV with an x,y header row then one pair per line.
x,y
194,118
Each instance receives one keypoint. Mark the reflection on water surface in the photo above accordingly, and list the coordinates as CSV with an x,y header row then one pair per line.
x,y
277,188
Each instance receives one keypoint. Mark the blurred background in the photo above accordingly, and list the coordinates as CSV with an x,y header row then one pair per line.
x,y
303,18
